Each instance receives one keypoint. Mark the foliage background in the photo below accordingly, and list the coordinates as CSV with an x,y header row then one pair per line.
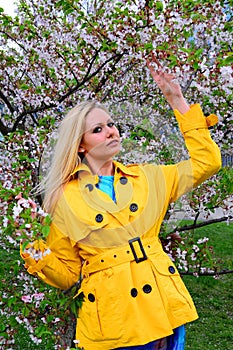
x,y
55,53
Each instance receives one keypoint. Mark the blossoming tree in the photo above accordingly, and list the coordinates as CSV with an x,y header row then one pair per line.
x,y
55,53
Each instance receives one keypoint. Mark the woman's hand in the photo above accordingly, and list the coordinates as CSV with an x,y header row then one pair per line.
x,y
37,250
169,86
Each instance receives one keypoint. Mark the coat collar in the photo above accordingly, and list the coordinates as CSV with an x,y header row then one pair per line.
x,y
120,169
100,200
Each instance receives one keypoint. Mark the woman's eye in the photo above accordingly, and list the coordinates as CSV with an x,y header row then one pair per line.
x,y
97,129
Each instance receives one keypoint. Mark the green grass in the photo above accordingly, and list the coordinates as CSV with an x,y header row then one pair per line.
x,y
213,297
214,302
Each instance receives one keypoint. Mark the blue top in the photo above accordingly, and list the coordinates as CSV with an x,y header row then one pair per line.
x,y
176,341
105,184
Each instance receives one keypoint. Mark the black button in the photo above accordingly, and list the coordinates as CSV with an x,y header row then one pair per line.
x,y
171,269
99,218
91,297
133,207
90,187
134,292
123,180
147,288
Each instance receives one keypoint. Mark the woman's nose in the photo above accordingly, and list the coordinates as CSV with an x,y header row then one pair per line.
x,y
109,131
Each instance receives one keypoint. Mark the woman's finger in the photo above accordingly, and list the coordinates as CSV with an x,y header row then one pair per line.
x,y
156,61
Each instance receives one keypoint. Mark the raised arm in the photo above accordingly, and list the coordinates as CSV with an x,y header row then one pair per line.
x,y
205,157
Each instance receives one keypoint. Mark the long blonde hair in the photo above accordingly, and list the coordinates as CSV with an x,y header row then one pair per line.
x,y
66,158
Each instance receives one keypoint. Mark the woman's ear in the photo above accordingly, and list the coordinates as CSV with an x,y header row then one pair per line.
x,y
81,149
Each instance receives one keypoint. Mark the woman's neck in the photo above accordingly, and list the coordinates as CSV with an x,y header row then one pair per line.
x,y
106,169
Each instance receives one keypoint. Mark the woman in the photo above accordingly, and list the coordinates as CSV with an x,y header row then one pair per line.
x,y
106,221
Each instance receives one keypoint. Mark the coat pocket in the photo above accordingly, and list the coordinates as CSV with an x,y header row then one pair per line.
x,y
100,317
171,285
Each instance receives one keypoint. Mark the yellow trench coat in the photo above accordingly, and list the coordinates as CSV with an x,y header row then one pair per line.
x,y
133,292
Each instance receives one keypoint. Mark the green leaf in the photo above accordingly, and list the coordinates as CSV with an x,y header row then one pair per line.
x,y
47,220
45,231
198,52
25,311
159,5
24,87
2,327
24,245
149,46
4,335
195,65
42,330
229,26
227,61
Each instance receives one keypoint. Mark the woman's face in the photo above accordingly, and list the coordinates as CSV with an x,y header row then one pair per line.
x,y
101,139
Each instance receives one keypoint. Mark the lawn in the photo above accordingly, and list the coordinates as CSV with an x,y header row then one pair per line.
x,y
213,299
214,302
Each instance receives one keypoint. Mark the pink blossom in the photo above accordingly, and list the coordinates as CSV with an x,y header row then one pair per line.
x,y
25,203
29,298
38,296
26,298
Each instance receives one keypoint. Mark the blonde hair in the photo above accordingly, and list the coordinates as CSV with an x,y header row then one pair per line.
x,y
66,158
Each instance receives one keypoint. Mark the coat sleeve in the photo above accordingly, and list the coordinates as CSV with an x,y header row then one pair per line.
x,y
56,261
204,155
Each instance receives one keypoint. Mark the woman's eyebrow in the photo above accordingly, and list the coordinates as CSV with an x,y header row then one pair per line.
x,y
100,124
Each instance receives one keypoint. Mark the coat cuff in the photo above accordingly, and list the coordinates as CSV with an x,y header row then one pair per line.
x,y
36,269
194,119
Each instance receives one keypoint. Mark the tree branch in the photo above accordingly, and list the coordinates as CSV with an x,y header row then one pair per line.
x,y
70,92
13,39
7,102
214,273
107,74
117,80
201,224
4,129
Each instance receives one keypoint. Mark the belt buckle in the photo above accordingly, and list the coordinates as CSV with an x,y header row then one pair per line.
x,y
131,243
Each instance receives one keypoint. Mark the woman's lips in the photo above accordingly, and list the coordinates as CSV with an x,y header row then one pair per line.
x,y
113,143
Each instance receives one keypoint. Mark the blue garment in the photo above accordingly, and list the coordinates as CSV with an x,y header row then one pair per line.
x,y
105,184
149,346
176,341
